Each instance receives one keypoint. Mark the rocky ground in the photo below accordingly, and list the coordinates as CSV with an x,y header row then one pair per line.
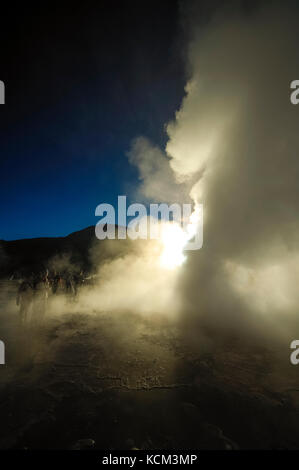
x,y
124,381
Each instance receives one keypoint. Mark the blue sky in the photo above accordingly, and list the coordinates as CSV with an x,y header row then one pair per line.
x,y
78,89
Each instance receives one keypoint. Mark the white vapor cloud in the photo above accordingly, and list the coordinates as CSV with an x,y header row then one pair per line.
x,y
234,145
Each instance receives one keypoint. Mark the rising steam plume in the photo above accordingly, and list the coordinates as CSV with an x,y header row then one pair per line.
x,y
233,146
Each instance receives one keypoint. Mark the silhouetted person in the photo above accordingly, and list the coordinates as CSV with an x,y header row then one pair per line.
x,y
24,300
60,286
41,298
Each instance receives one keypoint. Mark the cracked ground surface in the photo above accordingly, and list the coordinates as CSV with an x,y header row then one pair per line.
x,y
128,381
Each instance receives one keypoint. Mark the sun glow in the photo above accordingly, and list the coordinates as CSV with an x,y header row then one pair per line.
x,y
174,239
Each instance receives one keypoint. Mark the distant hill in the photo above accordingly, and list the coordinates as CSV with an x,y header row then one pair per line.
x,y
32,255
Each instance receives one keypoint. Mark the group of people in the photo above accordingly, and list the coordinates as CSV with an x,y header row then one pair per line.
x,y
34,291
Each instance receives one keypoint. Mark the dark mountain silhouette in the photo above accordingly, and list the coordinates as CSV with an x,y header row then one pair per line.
x,y
31,255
